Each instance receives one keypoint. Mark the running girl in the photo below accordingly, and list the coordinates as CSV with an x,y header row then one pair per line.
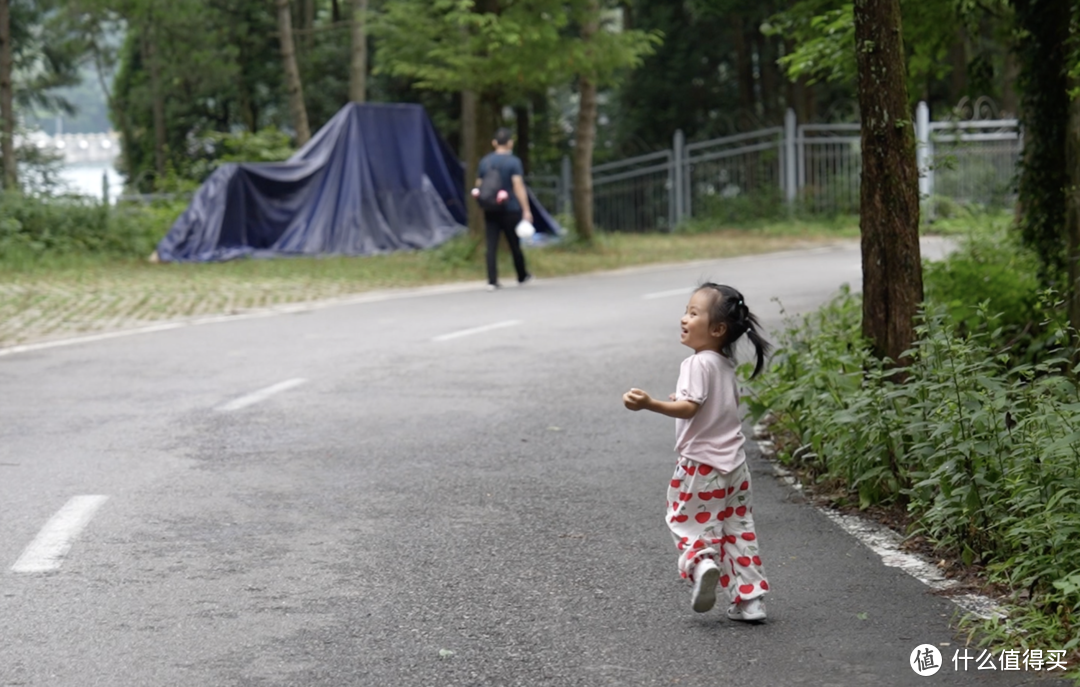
x,y
709,506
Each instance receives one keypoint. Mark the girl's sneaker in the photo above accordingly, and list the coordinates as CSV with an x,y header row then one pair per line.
x,y
706,577
752,611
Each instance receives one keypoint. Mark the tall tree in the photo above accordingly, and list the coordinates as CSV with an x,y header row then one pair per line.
x,y
1072,157
483,51
1042,49
293,85
585,129
503,54
358,64
601,54
7,109
39,52
151,57
1072,224
889,197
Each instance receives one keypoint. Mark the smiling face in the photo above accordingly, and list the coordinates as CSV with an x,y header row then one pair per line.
x,y
697,332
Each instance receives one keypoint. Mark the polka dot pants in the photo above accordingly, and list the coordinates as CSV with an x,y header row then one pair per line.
x,y
710,516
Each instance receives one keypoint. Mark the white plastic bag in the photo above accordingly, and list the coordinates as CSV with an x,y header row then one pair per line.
x,y
525,229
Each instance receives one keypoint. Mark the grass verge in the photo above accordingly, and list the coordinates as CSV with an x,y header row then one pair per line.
x,y
49,296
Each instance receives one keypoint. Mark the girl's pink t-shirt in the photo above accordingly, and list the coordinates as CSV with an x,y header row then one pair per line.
x,y
714,435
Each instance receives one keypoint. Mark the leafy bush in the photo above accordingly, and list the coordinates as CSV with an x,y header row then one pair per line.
x,y
991,269
985,456
31,227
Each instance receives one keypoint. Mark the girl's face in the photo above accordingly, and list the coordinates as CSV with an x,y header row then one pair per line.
x,y
697,332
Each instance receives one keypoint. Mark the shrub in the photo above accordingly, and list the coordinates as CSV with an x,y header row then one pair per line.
x,y
31,227
993,271
985,455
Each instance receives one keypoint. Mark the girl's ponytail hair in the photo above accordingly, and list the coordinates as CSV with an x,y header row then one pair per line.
x,y
729,308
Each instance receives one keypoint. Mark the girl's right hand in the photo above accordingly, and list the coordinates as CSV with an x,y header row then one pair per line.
x,y
636,399
671,397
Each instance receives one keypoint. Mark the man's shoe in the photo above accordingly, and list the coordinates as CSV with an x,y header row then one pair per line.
x,y
493,287
527,279
705,578
752,611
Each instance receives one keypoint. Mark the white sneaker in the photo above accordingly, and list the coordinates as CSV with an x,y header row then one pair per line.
x,y
751,611
706,577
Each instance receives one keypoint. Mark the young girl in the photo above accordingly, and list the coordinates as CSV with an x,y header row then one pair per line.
x,y
709,509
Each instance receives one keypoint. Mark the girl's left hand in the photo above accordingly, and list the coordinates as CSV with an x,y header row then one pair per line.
x,y
636,399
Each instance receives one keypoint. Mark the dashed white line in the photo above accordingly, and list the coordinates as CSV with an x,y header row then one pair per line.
x,y
48,549
260,395
476,330
664,294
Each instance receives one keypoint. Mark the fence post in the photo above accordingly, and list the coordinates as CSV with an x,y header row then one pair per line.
x,y
677,187
790,172
923,158
565,196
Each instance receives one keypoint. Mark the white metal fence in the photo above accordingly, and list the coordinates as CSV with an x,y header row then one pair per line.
x,y
812,168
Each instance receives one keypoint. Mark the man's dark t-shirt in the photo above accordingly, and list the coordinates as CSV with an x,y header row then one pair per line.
x,y
508,165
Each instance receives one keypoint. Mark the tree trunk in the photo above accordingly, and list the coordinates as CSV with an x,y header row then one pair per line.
x,y
889,194
157,103
1010,99
297,110
358,65
585,131
1042,54
1072,217
767,55
584,141
958,60
470,153
309,23
521,145
744,66
7,108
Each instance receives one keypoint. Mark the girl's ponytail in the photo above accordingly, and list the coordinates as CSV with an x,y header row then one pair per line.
x,y
761,346
730,309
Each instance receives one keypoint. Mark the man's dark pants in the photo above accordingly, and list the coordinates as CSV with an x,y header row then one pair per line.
x,y
504,223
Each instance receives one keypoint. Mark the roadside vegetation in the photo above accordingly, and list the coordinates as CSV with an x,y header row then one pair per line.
x,y
973,447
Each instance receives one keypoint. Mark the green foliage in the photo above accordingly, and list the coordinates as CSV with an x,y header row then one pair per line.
x,y
449,45
986,456
33,228
990,270
45,51
823,34
759,205
266,145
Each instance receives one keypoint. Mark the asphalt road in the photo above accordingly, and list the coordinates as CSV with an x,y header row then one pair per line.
x,y
417,503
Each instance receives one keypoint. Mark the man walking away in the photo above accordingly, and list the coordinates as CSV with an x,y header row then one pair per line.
x,y
500,190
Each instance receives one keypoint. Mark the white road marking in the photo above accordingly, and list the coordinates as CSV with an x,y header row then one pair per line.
x,y
664,294
476,330
260,395
47,550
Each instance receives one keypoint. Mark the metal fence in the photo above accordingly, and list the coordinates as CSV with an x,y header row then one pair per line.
x,y
829,164
635,194
812,168
973,162
721,170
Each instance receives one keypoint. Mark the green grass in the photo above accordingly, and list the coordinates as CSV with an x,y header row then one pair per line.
x,y
48,295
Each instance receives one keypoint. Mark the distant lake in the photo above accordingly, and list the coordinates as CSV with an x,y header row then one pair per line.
x,y
86,180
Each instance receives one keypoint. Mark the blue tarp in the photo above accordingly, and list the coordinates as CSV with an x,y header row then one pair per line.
x,y
376,178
